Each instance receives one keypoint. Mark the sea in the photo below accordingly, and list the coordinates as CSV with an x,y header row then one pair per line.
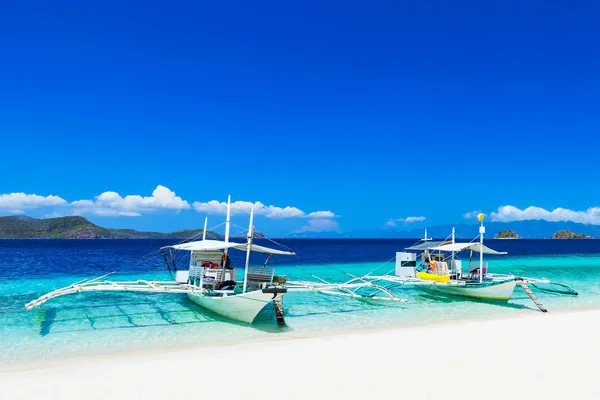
x,y
105,323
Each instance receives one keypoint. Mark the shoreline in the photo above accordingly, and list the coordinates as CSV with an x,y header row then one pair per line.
x,y
281,337
499,357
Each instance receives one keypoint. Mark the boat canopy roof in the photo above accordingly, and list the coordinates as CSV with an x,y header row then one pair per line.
x,y
424,245
475,246
212,245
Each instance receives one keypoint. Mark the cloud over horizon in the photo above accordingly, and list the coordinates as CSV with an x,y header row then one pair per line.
x,y
17,203
472,214
509,213
112,204
406,221
244,207
320,225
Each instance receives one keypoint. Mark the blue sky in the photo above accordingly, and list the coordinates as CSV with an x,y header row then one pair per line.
x,y
374,111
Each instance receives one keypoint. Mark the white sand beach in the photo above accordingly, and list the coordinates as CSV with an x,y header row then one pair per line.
x,y
542,356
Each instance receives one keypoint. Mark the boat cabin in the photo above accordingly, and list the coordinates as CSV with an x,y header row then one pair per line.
x,y
210,267
441,259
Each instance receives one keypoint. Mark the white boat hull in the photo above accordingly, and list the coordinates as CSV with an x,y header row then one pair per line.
x,y
240,307
490,291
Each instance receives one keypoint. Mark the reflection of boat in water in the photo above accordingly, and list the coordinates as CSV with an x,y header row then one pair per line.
x,y
212,283
440,270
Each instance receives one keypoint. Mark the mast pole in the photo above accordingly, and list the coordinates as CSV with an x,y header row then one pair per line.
x,y
481,232
227,226
228,220
204,230
452,267
249,245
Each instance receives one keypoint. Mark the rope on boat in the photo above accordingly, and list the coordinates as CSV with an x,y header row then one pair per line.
x,y
322,264
562,288
354,292
533,282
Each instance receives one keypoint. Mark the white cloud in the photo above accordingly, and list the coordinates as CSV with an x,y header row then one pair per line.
x,y
285,212
321,214
320,225
510,213
244,207
14,211
407,220
53,215
112,204
17,203
471,214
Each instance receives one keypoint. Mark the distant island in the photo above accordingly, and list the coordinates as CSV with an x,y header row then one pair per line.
x,y
567,234
20,227
507,234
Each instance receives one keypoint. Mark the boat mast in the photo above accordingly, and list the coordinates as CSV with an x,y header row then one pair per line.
x,y
481,232
202,271
228,220
249,245
227,225
452,267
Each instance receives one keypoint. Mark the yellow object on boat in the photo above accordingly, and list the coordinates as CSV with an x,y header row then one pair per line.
x,y
433,277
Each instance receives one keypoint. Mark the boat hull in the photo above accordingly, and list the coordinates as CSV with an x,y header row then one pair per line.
x,y
486,290
239,307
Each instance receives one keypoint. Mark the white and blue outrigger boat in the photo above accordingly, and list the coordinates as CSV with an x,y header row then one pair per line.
x,y
212,283
440,270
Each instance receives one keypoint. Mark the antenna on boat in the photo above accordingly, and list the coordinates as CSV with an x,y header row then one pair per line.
x,y
425,238
249,245
481,232
204,230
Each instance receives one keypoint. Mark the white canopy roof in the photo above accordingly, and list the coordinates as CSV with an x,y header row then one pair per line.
x,y
263,249
454,247
204,245
212,245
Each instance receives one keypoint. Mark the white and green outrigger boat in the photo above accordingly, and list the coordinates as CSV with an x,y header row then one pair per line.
x,y
440,270
211,282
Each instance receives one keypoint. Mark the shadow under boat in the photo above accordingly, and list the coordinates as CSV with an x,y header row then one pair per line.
x,y
447,298
172,312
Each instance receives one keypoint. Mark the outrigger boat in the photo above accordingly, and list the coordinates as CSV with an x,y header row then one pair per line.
x,y
213,284
434,273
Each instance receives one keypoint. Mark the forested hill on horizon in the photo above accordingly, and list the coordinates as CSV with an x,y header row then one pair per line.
x,y
530,229
76,227
21,227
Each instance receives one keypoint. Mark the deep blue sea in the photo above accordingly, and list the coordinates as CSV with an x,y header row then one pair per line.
x,y
100,323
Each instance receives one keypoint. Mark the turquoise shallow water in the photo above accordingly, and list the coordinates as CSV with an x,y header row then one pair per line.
x,y
97,323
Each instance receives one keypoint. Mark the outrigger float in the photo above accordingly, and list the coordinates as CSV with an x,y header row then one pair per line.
x,y
213,284
434,274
